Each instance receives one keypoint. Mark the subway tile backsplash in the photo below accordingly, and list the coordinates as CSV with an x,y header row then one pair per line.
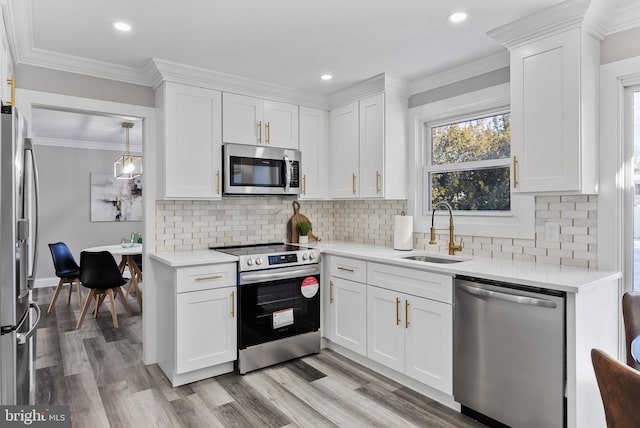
x,y
190,225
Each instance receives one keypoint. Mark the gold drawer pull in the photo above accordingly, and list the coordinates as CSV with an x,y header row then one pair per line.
x,y
12,82
330,291
304,184
397,311
515,172
207,278
406,314
345,269
353,183
260,132
218,181
268,126
377,182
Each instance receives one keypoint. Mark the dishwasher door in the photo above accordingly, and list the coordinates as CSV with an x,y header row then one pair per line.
x,y
509,353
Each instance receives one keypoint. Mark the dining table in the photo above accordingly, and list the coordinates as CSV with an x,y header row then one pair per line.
x,y
126,254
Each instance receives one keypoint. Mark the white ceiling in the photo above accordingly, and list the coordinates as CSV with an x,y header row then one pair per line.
x,y
284,42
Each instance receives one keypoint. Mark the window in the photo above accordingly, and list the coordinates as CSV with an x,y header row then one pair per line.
x,y
468,163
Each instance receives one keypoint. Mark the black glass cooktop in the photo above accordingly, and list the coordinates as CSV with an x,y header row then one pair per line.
x,y
256,249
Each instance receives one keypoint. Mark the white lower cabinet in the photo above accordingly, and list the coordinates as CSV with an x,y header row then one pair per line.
x,y
347,313
197,322
411,335
210,311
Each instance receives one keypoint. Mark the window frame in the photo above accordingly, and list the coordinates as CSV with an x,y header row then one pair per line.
x,y
429,168
517,223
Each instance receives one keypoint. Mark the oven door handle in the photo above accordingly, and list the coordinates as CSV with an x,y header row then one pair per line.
x,y
277,274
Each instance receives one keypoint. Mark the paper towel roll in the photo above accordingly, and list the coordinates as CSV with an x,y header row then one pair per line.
x,y
403,232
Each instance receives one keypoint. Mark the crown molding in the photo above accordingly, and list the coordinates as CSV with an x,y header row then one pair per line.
x,y
371,86
88,145
462,72
587,14
168,71
625,18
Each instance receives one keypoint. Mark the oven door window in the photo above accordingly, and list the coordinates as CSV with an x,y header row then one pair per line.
x,y
256,172
275,310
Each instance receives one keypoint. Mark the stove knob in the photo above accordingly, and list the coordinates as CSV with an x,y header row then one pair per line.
x,y
259,261
249,262
304,256
312,255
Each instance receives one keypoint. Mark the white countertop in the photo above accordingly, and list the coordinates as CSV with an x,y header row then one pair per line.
x,y
193,258
563,278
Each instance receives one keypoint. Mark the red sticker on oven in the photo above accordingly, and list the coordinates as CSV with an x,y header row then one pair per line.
x,y
309,287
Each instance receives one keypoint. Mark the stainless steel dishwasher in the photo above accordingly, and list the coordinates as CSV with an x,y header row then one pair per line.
x,y
509,353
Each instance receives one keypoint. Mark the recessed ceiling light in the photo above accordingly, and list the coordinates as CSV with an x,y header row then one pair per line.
x,y
457,16
326,77
122,26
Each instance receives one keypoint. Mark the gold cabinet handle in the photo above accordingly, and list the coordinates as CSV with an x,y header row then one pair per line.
x,y
397,311
207,278
218,181
515,172
268,126
345,269
233,304
260,132
330,291
353,183
406,314
377,182
12,81
304,184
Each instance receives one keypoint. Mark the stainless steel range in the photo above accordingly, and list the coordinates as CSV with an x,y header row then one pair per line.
x,y
278,303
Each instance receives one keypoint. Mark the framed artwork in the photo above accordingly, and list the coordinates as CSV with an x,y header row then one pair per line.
x,y
114,199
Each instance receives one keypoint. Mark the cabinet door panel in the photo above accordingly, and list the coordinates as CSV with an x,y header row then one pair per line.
x,y
314,146
348,315
372,147
193,142
429,343
385,327
344,152
242,119
206,329
281,125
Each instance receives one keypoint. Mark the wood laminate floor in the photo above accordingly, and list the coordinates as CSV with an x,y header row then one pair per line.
x,y
98,372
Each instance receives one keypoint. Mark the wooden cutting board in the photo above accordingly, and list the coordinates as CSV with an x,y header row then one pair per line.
x,y
292,225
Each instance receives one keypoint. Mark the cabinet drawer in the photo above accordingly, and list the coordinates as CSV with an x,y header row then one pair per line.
x,y
206,277
416,282
354,270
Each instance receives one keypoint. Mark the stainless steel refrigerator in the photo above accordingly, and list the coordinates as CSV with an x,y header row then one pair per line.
x,y
19,315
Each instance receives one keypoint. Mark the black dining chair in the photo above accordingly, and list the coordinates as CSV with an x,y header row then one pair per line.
x,y
99,272
619,387
67,270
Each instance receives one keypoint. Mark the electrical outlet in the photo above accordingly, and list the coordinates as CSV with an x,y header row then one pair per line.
x,y
551,231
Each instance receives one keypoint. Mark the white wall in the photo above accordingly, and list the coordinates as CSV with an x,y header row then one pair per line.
x,y
64,203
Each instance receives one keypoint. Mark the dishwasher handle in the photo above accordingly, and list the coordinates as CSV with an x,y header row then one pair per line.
x,y
520,300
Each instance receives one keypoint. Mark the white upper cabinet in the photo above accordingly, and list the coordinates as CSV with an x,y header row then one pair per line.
x,y
344,165
368,148
314,145
192,154
254,121
554,110
6,65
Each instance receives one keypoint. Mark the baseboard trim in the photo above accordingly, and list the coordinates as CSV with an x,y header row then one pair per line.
x,y
46,282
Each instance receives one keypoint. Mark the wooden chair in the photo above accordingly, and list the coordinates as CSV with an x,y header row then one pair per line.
x,y
100,273
631,316
67,270
620,390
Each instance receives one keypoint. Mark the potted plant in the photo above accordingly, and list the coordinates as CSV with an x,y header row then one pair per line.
x,y
303,230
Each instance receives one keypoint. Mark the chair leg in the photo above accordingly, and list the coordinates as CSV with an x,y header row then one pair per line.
x,y
113,307
85,308
79,285
124,301
101,296
55,295
70,291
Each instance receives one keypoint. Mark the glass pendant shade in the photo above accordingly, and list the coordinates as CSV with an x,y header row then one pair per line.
x,y
127,166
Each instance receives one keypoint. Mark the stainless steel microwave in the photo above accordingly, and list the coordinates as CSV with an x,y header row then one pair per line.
x,y
260,170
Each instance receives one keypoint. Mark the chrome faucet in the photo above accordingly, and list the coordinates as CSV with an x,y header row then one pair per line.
x,y
452,245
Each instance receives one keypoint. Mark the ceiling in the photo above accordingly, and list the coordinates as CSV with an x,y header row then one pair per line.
x,y
283,42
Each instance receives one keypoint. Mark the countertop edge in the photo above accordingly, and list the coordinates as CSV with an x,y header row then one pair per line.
x,y
193,258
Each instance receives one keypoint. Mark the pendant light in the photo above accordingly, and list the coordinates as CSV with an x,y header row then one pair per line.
x,y
127,166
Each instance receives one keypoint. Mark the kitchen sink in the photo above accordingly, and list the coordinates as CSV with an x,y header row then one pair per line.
x,y
434,259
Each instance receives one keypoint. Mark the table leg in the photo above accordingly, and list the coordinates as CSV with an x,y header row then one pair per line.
x,y
134,279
